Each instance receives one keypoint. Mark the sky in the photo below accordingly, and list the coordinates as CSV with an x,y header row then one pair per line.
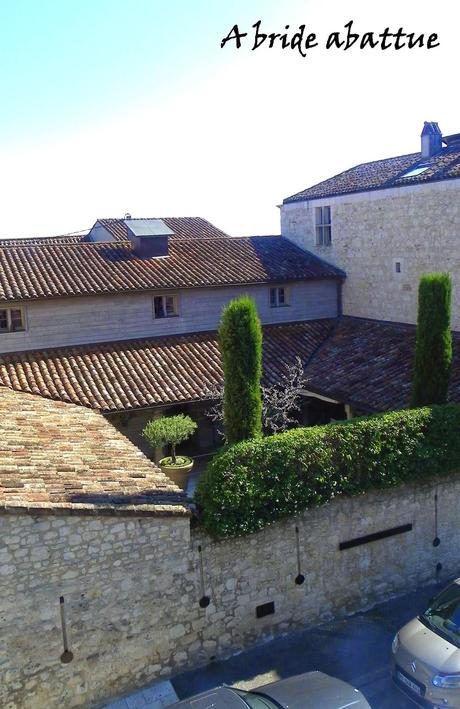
x,y
111,106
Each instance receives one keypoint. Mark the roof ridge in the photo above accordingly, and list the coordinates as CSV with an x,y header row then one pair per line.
x,y
124,242
76,243
123,219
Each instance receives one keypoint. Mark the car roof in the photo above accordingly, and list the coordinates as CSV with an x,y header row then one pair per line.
x,y
220,698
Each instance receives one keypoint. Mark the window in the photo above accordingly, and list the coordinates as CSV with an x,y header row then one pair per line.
x,y
278,297
165,306
12,320
415,171
323,226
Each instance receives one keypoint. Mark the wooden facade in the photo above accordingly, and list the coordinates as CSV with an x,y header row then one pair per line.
x,y
56,322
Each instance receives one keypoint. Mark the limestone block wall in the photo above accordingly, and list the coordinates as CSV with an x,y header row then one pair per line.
x,y
125,584
417,225
132,586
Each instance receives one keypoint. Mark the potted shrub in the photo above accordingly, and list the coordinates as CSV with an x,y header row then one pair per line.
x,y
170,431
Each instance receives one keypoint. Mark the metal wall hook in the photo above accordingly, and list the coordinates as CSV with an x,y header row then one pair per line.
x,y
436,540
204,600
300,578
67,655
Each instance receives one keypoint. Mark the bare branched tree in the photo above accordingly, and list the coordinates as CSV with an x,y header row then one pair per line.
x,y
282,399
279,401
215,393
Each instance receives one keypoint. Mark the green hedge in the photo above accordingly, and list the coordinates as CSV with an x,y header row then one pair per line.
x,y
255,482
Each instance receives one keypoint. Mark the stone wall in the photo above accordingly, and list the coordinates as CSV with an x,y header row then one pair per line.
x,y
132,585
417,225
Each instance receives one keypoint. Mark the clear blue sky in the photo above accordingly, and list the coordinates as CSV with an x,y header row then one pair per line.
x,y
111,106
64,61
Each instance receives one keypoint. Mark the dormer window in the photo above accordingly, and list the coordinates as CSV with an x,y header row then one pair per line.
x,y
12,320
323,226
165,306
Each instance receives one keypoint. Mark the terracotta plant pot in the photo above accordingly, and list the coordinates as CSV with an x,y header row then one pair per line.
x,y
178,473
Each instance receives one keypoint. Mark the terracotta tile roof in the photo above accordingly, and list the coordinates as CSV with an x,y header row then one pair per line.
x,y
56,456
54,270
183,228
116,376
42,240
382,174
368,363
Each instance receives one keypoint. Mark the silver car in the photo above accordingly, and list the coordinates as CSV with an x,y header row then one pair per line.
x,y
426,653
311,690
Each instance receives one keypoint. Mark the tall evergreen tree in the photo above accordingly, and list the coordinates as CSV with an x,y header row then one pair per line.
x,y
240,339
433,349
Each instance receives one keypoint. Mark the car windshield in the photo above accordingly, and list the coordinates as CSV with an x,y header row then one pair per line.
x,y
443,614
256,701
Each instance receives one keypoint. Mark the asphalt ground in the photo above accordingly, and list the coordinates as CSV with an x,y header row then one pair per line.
x,y
356,649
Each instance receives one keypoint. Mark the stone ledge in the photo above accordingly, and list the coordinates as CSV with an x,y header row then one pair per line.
x,y
70,508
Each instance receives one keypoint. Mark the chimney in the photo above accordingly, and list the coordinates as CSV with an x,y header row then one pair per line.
x,y
149,237
431,139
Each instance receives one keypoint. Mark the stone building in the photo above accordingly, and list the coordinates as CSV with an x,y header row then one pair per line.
x,y
102,574
386,223
124,319
99,564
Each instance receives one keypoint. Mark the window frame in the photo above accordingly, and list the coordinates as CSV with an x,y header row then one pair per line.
x,y
277,304
164,296
323,226
8,310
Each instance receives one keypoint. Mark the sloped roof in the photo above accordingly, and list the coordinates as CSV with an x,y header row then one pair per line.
x,y
381,174
369,364
60,457
366,363
43,240
183,228
117,376
53,270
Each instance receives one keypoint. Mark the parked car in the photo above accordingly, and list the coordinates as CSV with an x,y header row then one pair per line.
x,y
426,653
311,690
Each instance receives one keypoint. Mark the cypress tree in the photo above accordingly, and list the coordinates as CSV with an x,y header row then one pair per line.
x,y
240,339
433,348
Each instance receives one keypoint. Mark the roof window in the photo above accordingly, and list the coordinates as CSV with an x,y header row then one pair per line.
x,y
415,171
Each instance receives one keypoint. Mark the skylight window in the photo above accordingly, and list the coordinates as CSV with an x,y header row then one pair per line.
x,y
415,171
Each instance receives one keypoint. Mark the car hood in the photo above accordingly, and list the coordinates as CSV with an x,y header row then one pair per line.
x,y
314,690
429,647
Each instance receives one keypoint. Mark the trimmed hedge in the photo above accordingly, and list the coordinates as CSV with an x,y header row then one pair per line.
x,y
253,483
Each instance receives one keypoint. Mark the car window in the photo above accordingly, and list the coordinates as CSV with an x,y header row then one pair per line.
x,y
256,701
443,613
